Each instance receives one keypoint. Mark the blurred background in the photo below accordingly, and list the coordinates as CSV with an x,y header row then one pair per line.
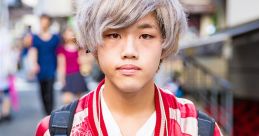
x,y
217,66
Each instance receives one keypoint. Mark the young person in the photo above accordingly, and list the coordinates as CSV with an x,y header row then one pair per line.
x,y
129,39
43,53
69,68
7,69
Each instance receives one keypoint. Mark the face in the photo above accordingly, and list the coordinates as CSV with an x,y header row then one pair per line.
x,y
44,23
130,57
69,35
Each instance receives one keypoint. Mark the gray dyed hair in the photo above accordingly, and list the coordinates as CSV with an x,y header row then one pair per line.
x,y
96,16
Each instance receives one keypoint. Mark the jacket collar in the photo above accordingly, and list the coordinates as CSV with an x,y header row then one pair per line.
x,y
97,124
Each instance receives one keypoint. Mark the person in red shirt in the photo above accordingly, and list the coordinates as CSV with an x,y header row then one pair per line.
x,y
130,39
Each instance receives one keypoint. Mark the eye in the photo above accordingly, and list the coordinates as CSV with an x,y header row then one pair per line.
x,y
113,36
146,36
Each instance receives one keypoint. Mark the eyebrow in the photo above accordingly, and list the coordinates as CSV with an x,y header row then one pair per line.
x,y
143,26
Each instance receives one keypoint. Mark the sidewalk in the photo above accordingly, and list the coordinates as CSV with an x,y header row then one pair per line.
x,y
24,122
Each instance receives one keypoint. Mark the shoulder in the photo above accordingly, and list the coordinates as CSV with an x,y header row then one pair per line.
x,y
181,112
56,37
83,102
81,111
184,110
171,97
217,131
60,49
34,37
184,106
79,115
43,127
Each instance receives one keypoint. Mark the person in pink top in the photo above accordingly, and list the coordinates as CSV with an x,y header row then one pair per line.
x,y
69,68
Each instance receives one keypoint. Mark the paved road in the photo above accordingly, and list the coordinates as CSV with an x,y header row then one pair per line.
x,y
24,122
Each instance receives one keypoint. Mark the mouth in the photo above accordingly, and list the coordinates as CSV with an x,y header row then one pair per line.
x,y
128,69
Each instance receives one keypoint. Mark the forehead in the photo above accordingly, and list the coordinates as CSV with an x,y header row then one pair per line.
x,y
68,29
45,18
147,22
148,19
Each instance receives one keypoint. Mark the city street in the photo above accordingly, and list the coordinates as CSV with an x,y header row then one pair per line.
x,y
24,121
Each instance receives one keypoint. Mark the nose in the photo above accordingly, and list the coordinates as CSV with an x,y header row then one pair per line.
x,y
130,50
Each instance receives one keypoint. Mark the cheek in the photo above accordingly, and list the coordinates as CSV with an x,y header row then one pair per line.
x,y
101,58
152,60
104,53
105,59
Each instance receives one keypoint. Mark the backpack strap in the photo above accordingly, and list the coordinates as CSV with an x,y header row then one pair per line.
x,y
61,120
206,124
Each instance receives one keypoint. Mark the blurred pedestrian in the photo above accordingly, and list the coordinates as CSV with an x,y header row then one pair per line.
x,y
69,68
25,58
174,85
8,67
44,58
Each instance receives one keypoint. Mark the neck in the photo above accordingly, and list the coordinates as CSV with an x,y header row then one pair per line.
x,y
70,43
45,30
138,101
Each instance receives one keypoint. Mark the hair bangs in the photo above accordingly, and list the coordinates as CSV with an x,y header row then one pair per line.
x,y
96,16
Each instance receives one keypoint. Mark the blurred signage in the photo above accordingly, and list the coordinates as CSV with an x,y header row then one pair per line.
x,y
198,6
30,3
55,8
11,2
241,11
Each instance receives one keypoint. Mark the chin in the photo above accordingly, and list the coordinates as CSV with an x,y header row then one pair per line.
x,y
130,86
130,89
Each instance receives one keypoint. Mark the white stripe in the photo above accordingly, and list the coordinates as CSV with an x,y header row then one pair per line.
x,y
80,116
188,125
163,116
47,133
96,119
183,101
167,91
219,129
180,100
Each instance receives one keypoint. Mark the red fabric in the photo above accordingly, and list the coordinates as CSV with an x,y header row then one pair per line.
x,y
88,127
217,131
187,110
42,126
176,129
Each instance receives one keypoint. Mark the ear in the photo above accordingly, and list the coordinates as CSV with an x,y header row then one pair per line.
x,y
163,50
163,54
95,54
166,52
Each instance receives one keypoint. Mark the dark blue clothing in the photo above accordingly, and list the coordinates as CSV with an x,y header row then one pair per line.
x,y
47,57
24,52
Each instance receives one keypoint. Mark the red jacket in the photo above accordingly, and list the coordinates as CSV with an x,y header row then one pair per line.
x,y
174,117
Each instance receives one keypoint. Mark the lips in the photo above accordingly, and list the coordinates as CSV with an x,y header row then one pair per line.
x,y
128,69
